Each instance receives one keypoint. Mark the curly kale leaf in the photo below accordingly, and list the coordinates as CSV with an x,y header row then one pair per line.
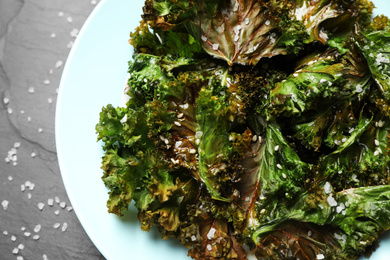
x,y
375,46
318,81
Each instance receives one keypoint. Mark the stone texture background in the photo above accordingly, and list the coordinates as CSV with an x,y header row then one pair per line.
x,y
35,39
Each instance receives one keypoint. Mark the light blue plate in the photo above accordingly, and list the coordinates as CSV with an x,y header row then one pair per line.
x,y
93,77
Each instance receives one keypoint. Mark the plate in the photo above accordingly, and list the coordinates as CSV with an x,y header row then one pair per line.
x,y
92,78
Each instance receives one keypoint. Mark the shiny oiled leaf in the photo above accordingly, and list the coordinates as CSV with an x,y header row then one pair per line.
x,y
299,240
238,31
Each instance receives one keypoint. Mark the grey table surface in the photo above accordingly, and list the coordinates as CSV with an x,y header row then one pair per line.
x,y
36,218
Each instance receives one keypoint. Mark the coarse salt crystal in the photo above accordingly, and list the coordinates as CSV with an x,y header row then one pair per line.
x,y
53,35
69,19
279,166
33,154
31,89
276,148
49,100
5,233
56,225
13,238
41,205
5,204
211,233
284,175
21,246
19,257
204,38
27,234
23,228
40,130
29,195
246,20
69,208
57,212
267,22
209,247
31,186
64,227
193,238
331,201
74,32
327,188
6,100
57,199
63,204
215,46
50,202
10,110
15,251
320,256
37,228
35,237
10,178
45,257
376,142
58,64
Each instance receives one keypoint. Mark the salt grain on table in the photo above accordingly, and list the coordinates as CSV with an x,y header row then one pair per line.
x,y
21,246
69,208
63,204
41,205
27,234
50,202
13,238
15,251
56,225
57,212
64,227
5,233
10,178
37,228
5,204
33,154
58,64
45,257
23,228
29,196
57,199
35,237
19,257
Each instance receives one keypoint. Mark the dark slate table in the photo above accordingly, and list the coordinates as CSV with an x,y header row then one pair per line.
x,y
36,218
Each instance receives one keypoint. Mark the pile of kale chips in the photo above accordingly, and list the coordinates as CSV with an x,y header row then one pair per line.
x,y
255,123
